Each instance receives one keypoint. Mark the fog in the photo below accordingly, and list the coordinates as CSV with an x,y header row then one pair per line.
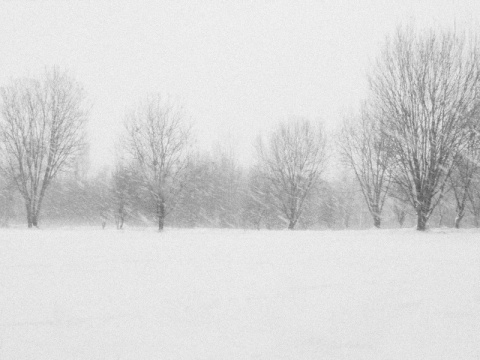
x,y
237,67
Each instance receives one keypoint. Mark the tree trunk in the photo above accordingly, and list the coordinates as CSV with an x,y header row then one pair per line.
x,y
29,214
423,210
376,215
33,211
459,218
421,220
120,216
161,221
119,222
401,220
39,206
291,224
35,220
460,211
161,215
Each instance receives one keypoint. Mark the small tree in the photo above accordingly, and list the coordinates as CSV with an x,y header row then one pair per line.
x,y
365,150
158,141
42,129
292,162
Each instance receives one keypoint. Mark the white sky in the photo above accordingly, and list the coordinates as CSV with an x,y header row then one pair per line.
x,y
237,66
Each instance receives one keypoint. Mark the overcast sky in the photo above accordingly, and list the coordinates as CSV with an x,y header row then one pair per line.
x,y
237,66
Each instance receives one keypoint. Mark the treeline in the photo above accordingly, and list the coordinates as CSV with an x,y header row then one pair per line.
x,y
75,198
218,193
409,156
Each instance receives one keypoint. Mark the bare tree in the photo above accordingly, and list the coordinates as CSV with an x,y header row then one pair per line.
x,y
42,129
366,152
292,162
158,139
425,89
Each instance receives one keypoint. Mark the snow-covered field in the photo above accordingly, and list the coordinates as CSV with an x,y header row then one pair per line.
x,y
219,294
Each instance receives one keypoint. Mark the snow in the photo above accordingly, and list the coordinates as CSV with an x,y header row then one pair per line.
x,y
234,294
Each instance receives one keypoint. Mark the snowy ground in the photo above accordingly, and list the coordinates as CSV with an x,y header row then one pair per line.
x,y
212,294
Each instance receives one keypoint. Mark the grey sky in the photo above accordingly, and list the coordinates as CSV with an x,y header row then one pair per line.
x,y
237,66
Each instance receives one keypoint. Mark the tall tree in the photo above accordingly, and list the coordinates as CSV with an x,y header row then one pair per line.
x,y
292,161
425,88
158,140
42,129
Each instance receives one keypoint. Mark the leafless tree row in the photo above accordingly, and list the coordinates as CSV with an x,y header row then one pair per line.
x,y
415,141
43,131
